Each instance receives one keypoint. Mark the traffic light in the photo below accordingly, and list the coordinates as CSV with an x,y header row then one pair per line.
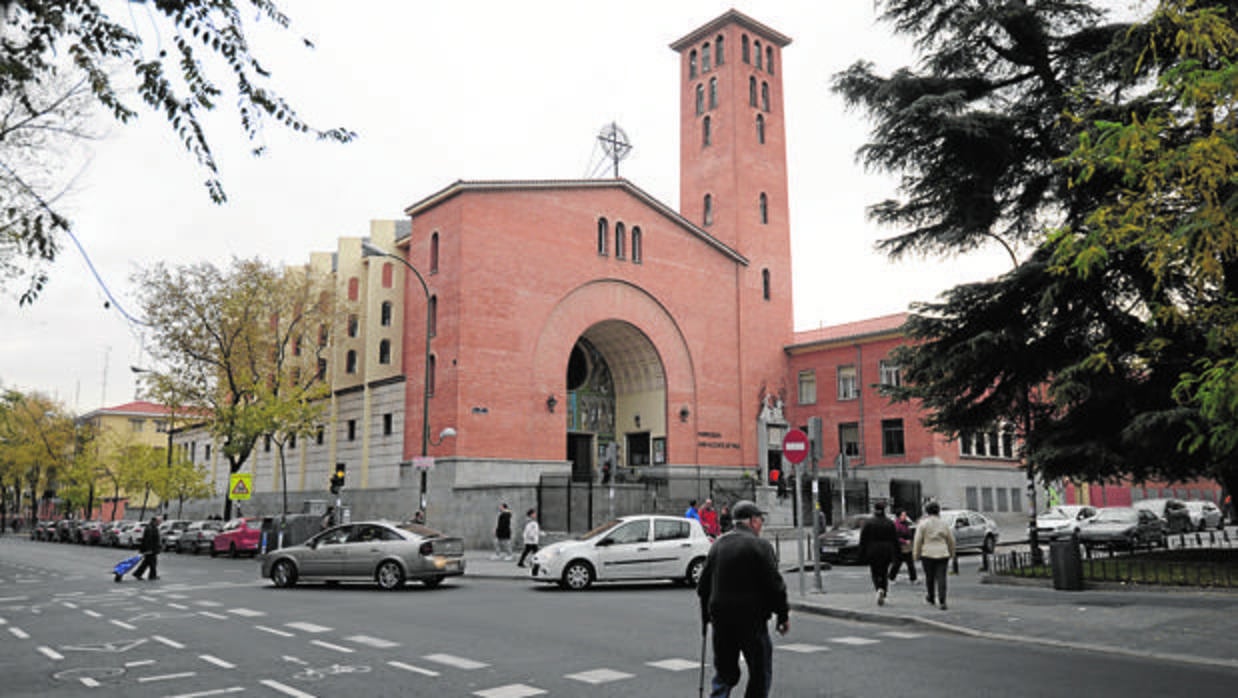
x,y
337,478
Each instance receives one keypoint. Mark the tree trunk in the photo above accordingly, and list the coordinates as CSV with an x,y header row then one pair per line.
x,y
145,497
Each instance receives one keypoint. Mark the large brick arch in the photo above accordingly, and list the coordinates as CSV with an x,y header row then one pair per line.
x,y
613,300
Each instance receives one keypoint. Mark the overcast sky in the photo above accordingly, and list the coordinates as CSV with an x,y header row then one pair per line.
x,y
440,91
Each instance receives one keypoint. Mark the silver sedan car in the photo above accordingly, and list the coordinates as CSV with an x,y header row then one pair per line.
x,y
380,551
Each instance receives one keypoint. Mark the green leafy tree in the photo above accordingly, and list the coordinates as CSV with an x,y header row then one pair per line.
x,y
62,59
36,445
183,480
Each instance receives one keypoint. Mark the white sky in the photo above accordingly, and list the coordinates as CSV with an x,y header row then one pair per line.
x,y
440,91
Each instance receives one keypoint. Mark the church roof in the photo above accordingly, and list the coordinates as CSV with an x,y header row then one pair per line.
x,y
732,17
848,333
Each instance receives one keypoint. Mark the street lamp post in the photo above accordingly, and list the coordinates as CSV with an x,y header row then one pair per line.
x,y
370,250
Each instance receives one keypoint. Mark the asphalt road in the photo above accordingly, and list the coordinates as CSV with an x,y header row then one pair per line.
x,y
210,627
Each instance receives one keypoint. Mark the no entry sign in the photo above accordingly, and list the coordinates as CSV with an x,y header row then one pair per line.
x,y
795,446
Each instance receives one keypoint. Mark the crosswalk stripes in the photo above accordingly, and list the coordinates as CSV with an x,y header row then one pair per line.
x,y
597,676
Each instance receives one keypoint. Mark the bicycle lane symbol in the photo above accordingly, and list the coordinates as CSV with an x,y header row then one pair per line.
x,y
312,674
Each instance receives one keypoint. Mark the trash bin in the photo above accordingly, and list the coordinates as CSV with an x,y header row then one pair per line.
x,y
1067,564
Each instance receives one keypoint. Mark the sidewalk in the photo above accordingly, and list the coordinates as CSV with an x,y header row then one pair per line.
x,y
1183,626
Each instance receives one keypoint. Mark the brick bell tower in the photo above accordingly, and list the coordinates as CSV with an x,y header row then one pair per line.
x,y
733,184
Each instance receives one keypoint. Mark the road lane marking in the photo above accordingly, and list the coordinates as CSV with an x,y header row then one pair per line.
x,y
123,624
50,653
140,662
674,664
19,633
246,612
209,604
273,631
803,648
515,690
902,635
376,642
414,669
170,643
454,661
854,641
69,605
597,676
89,682
216,661
286,690
7,599
330,646
216,692
93,614
178,606
167,677
307,627
212,614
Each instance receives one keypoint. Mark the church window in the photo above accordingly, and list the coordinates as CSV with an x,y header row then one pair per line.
x,y
603,233
765,96
718,50
353,324
620,234
636,244
765,284
744,48
761,129
433,374
700,100
385,314
764,204
756,53
769,59
706,136
388,274
752,92
713,93
350,361
354,288
705,58
434,253
692,65
384,351
432,317
709,209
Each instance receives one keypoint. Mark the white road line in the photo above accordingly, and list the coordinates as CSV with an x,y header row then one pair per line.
x,y
209,604
7,599
674,664
854,641
307,627
167,677
93,614
123,624
454,661
51,653
212,614
414,669
902,635
330,646
69,605
286,690
178,606
89,682
273,631
170,643
3,622
216,692
216,661
597,676
246,612
803,648
377,642
140,662
19,633
515,690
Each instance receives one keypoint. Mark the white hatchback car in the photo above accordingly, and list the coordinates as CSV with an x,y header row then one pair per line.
x,y
646,546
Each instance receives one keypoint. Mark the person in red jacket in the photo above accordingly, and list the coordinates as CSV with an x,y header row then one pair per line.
x,y
709,519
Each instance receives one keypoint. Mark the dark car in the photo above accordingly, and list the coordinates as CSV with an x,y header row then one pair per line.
x,y
1172,512
841,543
1122,528
66,530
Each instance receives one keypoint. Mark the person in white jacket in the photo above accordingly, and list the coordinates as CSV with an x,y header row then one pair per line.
x,y
933,545
532,536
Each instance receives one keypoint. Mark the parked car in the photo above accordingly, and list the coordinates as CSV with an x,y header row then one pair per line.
x,y
378,551
238,536
131,535
1172,512
111,533
66,530
972,530
170,531
197,537
1123,527
841,543
1062,522
645,546
90,532
43,530
1205,515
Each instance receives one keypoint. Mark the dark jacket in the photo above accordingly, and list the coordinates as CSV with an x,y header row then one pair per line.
x,y
503,530
741,585
150,539
879,539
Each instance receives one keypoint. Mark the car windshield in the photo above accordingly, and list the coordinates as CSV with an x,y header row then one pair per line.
x,y
598,530
1055,514
853,522
1116,516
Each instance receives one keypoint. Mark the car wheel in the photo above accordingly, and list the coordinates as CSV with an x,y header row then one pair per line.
x,y
389,575
432,582
284,574
694,572
577,576
232,550
989,545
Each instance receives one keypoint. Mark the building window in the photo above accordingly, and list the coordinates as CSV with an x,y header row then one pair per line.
x,y
847,383
718,55
849,439
432,374
319,434
388,421
384,352
352,430
709,209
636,244
292,443
322,335
769,59
296,375
603,233
692,64
384,314
1003,502
432,322
135,425
891,373
761,129
1016,499
353,324
892,437
700,99
991,443
705,60
266,444
764,96
206,453
620,238
388,274
764,206
752,92
986,499
350,361
161,427
354,288
705,134
808,387
322,370
434,253
743,48
296,346
765,284
756,53
713,93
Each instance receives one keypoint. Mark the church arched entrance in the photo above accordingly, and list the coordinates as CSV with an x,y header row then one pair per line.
x,y
616,395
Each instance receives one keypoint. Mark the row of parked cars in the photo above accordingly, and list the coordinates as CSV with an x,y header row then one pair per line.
x,y
1145,523
233,538
973,531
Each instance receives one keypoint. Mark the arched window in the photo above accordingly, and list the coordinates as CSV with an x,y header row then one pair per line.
x,y
765,284
769,59
700,100
756,53
764,96
620,238
434,253
636,244
384,352
354,288
752,92
713,93
603,233
353,324
764,209
350,361
761,128
706,136
718,50
692,64
705,59
709,209
744,48
385,314
432,317
431,375
388,273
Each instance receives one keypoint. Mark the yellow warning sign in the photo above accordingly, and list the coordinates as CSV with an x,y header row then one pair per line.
x,y
240,486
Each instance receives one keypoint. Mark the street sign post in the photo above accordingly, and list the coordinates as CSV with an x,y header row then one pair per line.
x,y
795,446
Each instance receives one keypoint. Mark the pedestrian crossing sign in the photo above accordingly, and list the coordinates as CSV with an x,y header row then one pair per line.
x,y
240,486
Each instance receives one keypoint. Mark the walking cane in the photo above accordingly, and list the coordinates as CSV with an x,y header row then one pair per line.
x,y
700,688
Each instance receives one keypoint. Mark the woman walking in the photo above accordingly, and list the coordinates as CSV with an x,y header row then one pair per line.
x,y
934,546
532,536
